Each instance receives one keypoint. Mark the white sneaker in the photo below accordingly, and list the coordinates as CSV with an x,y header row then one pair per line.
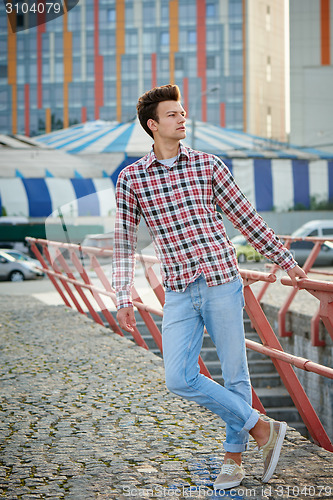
x,y
272,449
231,475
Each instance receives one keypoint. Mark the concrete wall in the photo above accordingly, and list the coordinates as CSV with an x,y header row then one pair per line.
x,y
311,104
318,388
265,70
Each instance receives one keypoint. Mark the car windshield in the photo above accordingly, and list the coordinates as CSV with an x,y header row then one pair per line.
x,y
7,256
18,256
301,231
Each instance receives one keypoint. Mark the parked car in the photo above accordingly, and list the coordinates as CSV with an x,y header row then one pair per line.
x,y
20,256
244,251
16,270
98,241
318,229
301,250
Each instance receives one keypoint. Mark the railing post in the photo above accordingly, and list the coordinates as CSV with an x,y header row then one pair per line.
x,y
286,372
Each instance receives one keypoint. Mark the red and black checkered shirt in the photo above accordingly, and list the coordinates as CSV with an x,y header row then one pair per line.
x,y
178,205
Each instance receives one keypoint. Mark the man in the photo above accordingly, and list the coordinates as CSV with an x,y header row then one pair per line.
x,y
176,190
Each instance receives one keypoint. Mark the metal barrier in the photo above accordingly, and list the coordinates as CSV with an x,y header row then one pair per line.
x,y
321,314
60,271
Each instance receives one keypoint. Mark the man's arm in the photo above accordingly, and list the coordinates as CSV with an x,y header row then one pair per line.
x,y
125,240
246,219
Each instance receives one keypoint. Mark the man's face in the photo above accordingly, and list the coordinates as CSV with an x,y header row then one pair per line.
x,y
171,121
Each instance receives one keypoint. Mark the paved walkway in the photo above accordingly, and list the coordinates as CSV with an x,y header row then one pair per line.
x,y
85,415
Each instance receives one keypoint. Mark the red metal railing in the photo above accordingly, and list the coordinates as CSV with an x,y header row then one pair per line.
x,y
78,291
321,313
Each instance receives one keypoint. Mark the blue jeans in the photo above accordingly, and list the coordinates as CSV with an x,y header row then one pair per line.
x,y
220,309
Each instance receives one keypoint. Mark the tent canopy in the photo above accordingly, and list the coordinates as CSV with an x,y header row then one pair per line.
x,y
130,138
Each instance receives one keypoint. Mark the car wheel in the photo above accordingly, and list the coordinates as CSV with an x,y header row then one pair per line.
x,y
16,276
241,258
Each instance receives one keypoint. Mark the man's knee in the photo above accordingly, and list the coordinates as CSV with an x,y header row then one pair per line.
x,y
179,385
176,384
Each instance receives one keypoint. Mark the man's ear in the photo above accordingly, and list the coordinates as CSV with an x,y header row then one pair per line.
x,y
152,125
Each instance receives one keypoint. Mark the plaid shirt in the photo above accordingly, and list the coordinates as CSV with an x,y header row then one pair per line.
x,y
179,207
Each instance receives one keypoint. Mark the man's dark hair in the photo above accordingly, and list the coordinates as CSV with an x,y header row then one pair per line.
x,y
148,102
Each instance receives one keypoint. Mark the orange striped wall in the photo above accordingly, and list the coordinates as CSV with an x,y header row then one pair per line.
x,y
173,36
48,120
153,70
11,56
120,49
325,32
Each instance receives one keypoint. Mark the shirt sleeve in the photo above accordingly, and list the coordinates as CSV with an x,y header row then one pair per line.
x,y
125,240
246,219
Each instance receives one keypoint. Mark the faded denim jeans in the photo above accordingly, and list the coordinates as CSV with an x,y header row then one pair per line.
x,y
220,309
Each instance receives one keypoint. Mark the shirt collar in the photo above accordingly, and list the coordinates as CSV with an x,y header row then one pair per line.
x,y
150,159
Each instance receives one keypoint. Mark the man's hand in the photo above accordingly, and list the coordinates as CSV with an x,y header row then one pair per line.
x,y
296,272
126,318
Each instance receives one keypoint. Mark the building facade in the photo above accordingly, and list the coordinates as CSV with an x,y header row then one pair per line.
x,y
95,60
311,73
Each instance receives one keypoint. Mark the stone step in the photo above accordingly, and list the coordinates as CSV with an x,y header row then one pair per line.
x,y
274,397
261,366
214,368
286,414
265,379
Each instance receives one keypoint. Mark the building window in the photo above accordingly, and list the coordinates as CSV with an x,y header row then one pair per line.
x,y
269,123
210,62
129,15
111,15
210,10
46,71
149,42
164,64
268,18
191,37
131,42
165,14
179,63
235,9
3,70
149,17
164,38
268,69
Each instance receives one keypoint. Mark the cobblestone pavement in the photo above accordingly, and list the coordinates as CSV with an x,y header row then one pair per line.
x,y
85,415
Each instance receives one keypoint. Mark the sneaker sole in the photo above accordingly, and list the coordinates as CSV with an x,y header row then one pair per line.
x,y
227,486
276,453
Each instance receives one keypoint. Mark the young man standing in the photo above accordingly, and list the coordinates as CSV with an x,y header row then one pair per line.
x,y
176,190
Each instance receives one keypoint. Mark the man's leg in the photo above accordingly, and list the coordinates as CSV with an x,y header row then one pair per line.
x,y
182,341
222,311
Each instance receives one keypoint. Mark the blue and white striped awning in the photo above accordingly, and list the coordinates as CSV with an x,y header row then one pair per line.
x,y
279,184
130,139
42,197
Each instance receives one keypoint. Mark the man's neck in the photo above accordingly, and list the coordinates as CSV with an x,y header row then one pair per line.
x,y
164,150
